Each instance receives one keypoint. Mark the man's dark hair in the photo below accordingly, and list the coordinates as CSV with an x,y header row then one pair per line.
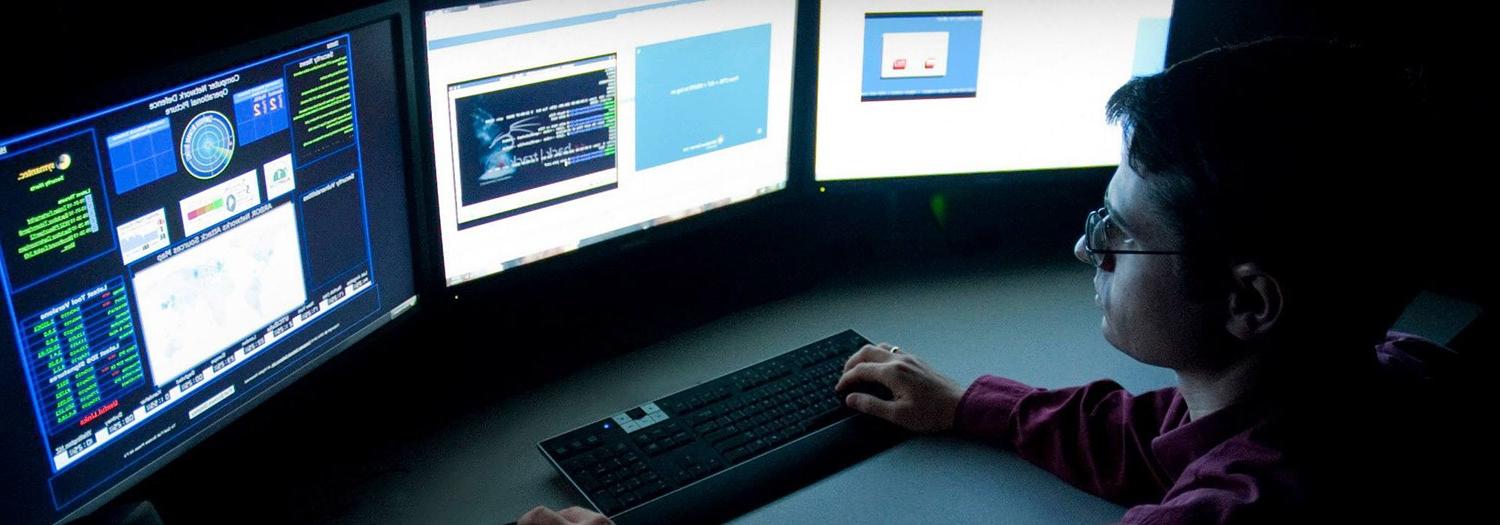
x,y
1302,155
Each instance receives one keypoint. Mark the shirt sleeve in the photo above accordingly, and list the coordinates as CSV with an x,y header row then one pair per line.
x,y
1245,483
1210,507
1096,437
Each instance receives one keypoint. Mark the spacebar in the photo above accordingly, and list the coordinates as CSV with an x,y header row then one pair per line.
x,y
821,419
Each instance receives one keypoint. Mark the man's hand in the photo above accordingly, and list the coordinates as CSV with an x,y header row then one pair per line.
x,y
923,400
569,516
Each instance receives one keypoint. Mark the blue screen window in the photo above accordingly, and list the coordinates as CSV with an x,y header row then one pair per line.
x,y
920,55
141,155
260,111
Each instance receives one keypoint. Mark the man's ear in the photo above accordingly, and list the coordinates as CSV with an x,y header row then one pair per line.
x,y
1256,302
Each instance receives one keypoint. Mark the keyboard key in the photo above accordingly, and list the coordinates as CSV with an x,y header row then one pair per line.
x,y
737,454
735,441
643,494
820,418
653,489
608,504
723,434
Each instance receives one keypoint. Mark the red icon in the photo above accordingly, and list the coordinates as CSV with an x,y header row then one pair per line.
x,y
931,63
900,64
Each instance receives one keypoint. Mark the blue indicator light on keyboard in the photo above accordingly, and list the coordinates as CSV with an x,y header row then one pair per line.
x,y
606,426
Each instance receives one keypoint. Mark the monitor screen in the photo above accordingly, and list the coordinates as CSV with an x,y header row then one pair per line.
x,y
170,260
943,88
558,124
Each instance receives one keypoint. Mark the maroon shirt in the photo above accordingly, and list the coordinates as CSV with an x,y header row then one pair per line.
x,y
1142,451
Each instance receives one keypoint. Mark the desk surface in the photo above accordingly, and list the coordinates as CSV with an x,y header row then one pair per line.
x,y
967,318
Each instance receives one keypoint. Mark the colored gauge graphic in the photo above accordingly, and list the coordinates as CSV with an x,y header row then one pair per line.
x,y
207,144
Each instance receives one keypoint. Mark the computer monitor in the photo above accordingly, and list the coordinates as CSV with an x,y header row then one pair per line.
x,y
560,124
916,89
171,260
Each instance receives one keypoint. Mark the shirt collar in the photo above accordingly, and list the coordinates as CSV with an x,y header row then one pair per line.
x,y
1177,448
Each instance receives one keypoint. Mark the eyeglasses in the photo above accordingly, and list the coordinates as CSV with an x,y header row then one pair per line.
x,y
1096,239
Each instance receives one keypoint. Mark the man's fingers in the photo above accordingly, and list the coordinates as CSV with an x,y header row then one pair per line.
x,y
541,516
871,405
575,513
868,354
569,516
861,373
584,516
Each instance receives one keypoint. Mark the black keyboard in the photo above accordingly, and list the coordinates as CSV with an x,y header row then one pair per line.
x,y
722,447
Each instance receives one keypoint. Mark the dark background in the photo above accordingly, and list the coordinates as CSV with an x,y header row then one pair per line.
x,y
501,336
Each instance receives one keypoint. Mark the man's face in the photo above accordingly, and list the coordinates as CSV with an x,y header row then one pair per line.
x,y
1148,312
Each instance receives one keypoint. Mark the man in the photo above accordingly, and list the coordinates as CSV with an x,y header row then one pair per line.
x,y
1255,239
